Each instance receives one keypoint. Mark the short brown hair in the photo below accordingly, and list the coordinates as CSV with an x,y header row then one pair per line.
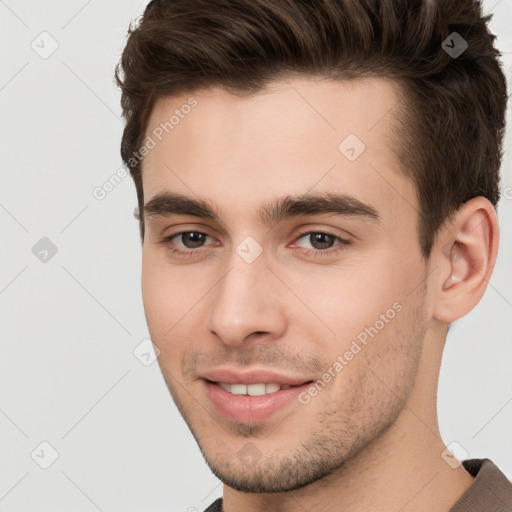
x,y
451,122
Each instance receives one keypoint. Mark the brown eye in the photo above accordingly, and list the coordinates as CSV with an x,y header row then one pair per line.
x,y
193,239
185,242
321,244
321,240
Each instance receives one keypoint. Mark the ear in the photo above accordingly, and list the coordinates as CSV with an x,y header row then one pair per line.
x,y
466,252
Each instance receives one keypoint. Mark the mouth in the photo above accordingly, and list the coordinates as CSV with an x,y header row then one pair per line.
x,y
251,403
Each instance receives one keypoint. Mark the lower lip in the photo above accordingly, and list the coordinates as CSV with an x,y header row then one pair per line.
x,y
250,409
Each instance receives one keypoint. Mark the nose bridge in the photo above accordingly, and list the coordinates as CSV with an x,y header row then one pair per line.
x,y
245,300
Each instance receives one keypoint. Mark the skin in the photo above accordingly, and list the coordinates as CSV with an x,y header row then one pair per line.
x,y
368,441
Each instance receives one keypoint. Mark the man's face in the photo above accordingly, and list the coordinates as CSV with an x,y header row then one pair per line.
x,y
270,292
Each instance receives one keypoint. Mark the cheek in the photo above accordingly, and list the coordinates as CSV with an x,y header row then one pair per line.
x,y
163,296
172,298
346,299
373,364
364,314
153,294
162,289
163,310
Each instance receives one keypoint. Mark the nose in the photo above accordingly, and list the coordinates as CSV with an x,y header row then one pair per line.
x,y
247,300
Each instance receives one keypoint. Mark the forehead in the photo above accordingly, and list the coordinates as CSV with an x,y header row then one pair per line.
x,y
294,136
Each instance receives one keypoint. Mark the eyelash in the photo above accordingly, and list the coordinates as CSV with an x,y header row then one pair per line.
x,y
166,241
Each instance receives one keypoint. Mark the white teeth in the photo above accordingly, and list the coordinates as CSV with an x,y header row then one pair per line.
x,y
238,389
252,389
256,389
272,388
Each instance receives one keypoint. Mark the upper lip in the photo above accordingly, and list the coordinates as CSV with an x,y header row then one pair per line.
x,y
231,376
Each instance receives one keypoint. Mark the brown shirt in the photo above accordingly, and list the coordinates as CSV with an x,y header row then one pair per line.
x,y
489,492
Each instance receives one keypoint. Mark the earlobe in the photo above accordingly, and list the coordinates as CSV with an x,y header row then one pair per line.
x,y
470,245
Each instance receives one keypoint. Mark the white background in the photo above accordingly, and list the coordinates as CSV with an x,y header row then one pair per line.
x,y
70,325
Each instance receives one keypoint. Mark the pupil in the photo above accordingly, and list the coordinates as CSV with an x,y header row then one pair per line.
x,y
316,238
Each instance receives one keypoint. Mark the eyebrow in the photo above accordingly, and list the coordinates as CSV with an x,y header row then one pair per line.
x,y
170,203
